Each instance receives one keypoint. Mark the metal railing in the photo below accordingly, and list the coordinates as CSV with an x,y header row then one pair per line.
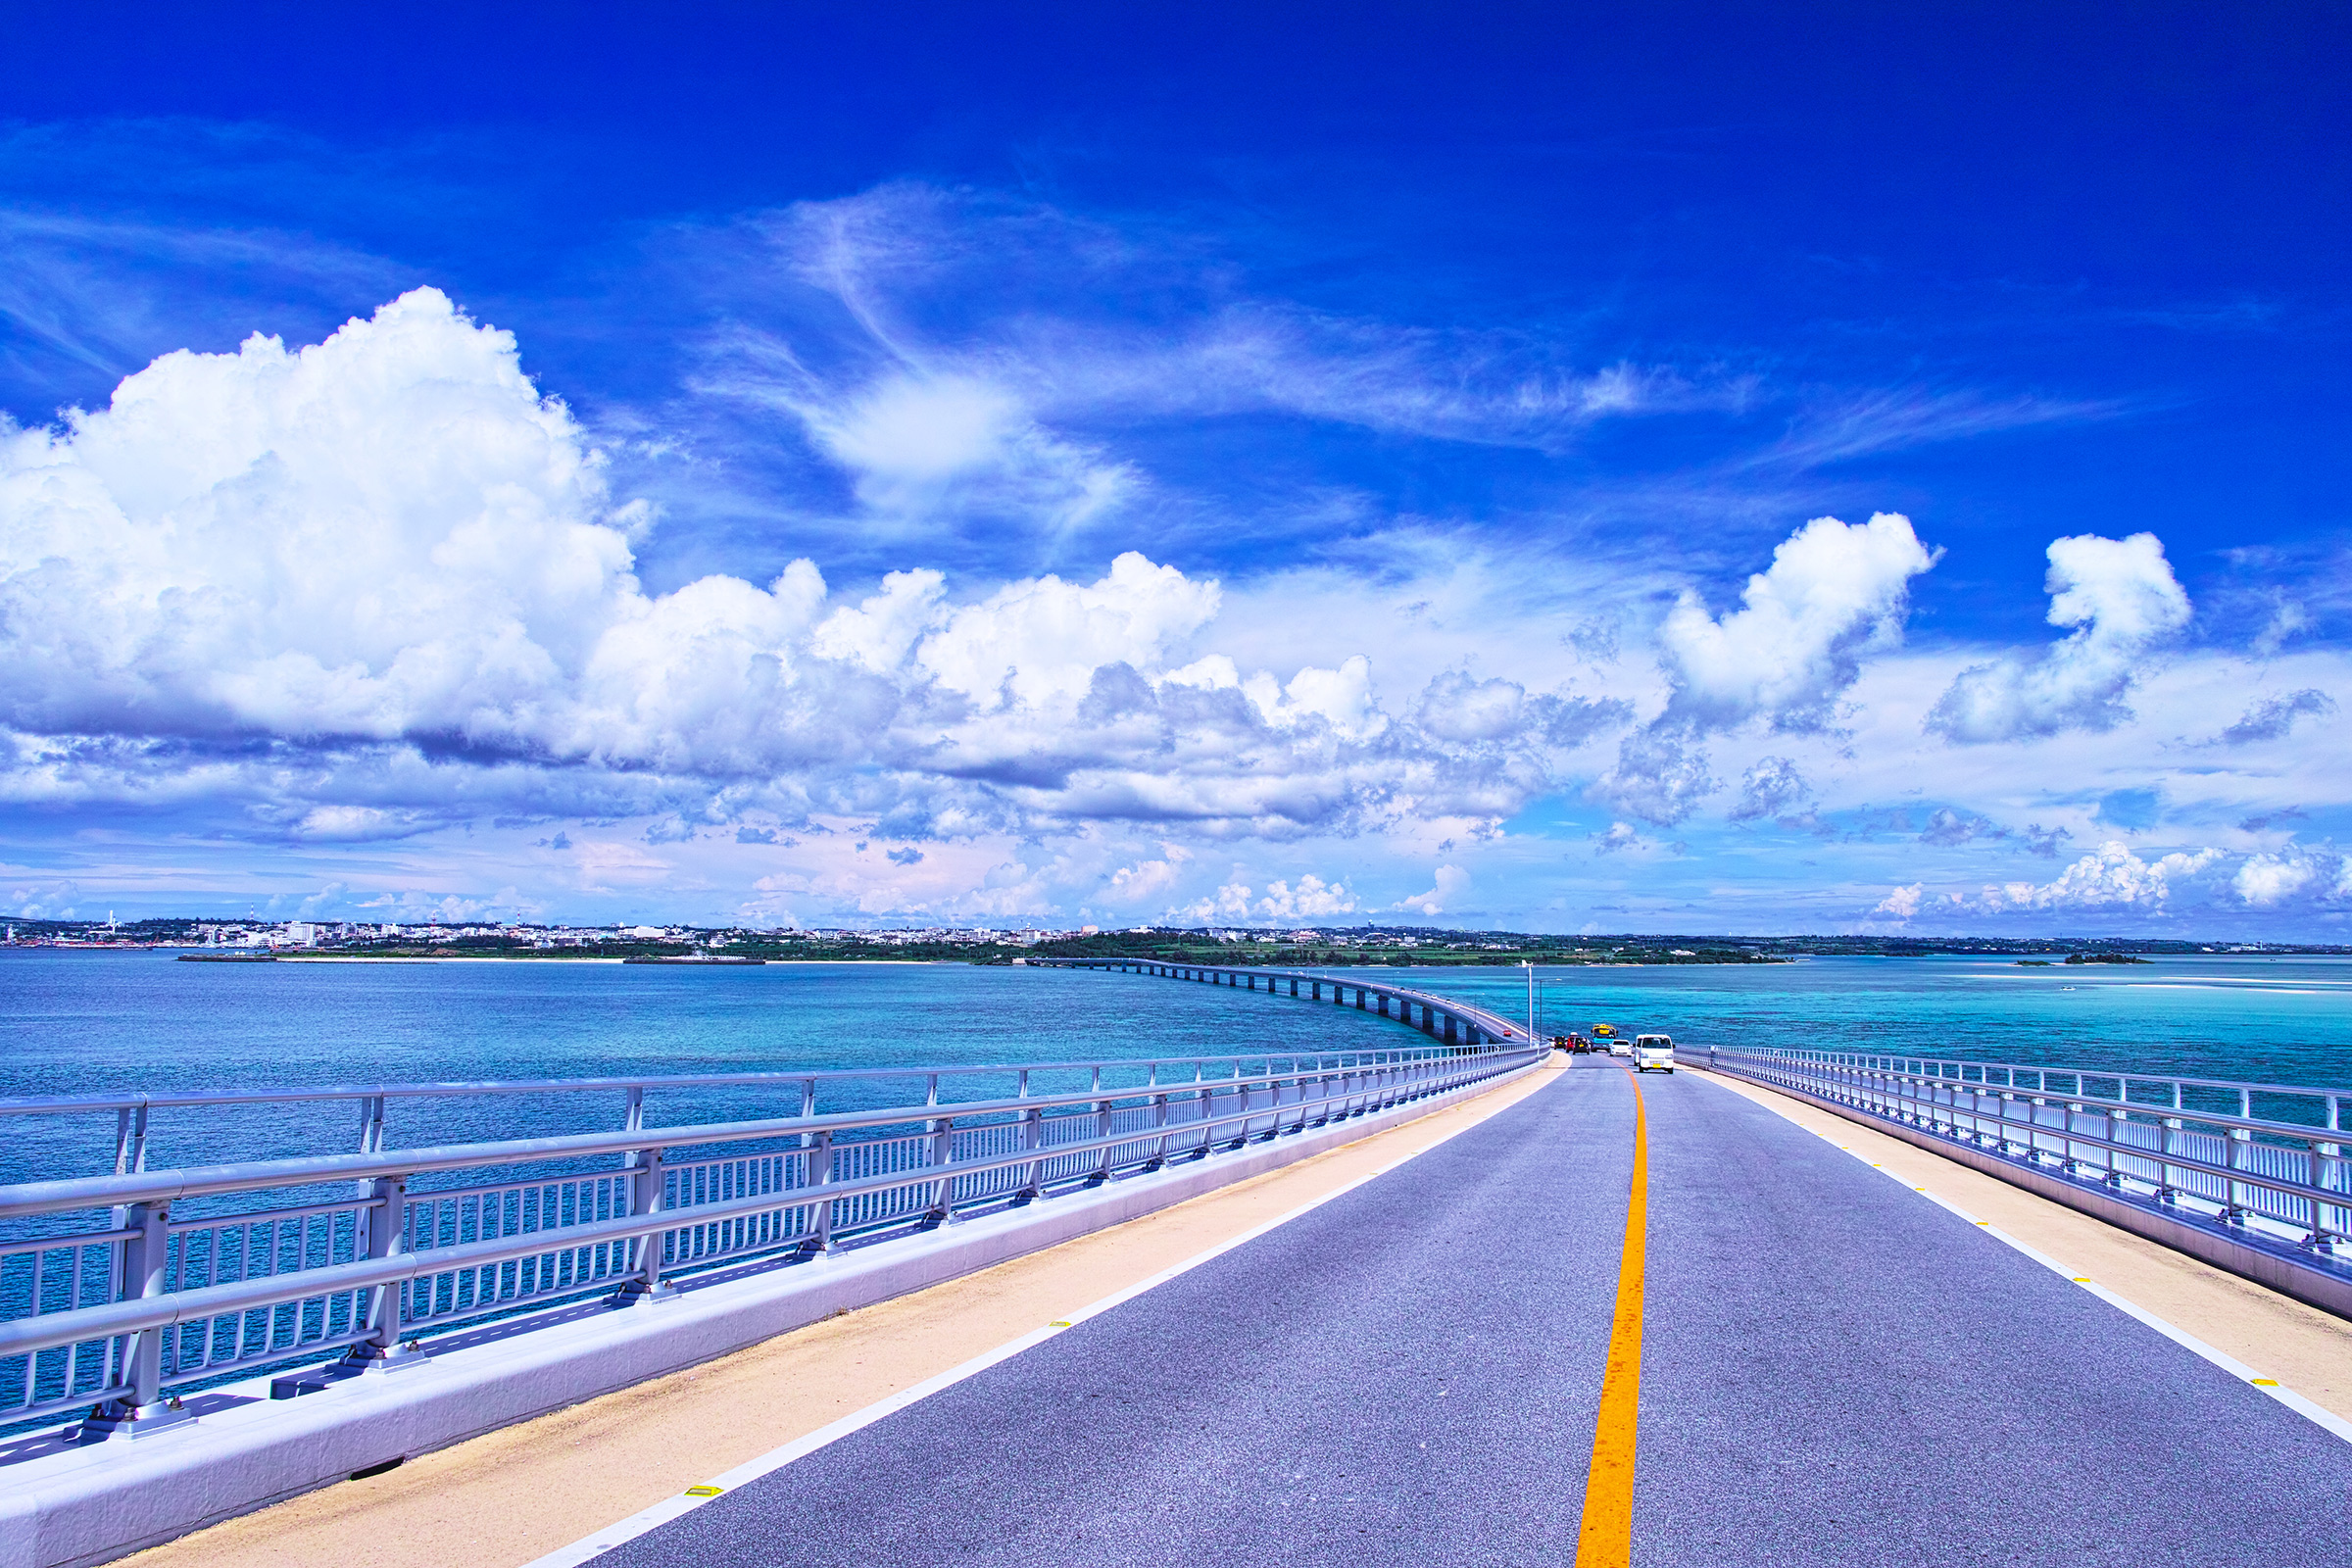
x,y
198,1274
2263,1159
135,1112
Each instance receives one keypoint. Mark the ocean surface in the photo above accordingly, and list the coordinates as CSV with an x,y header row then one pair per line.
x,y
85,1023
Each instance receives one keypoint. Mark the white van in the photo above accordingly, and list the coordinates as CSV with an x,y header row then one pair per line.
x,y
1653,1050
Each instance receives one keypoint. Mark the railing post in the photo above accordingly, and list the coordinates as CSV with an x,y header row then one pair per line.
x,y
943,1152
130,1155
2324,1157
2241,1157
2168,1143
387,1225
2118,1118
2067,1161
1033,1137
145,1256
821,1177
144,1263
648,1195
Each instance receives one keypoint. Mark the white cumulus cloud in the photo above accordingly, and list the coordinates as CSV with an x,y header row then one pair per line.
x,y
1771,787
2265,880
2124,604
1313,899
1451,884
1902,903
1230,902
1834,592
2112,877
1044,639
381,583
1149,879
386,535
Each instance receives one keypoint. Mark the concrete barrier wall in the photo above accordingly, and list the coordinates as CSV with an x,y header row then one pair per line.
x,y
90,1505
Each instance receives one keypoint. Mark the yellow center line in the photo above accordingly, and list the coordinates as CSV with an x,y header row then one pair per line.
x,y
1606,1540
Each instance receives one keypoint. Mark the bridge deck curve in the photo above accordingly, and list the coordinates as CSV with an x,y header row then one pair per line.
x,y
1450,1019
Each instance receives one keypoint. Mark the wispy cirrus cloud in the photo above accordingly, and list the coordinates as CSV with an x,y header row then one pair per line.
x,y
1869,423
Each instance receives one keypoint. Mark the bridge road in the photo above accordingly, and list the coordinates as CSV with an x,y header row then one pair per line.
x,y
1408,1372
1834,1371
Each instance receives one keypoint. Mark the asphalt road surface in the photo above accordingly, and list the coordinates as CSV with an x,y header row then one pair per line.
x,y
1834,1371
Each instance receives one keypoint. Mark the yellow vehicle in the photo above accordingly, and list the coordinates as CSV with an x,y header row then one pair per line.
x,y
1604,1031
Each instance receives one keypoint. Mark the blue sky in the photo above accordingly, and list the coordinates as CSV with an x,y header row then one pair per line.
x,y
1655,467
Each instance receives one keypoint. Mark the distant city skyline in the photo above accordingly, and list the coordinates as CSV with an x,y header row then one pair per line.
x,y
1680,469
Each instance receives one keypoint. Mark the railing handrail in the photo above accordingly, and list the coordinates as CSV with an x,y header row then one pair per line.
x,y
48,1331
1970,1110
138,1100
169,1185
2233,1085
1837,1062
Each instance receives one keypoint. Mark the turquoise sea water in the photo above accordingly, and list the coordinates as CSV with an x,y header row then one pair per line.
x,y
88,1022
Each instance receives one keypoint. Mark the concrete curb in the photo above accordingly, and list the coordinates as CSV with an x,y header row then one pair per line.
x,y
88,1505
2328,1290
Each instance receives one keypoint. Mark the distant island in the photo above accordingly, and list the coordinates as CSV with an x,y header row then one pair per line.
x,y
1321,947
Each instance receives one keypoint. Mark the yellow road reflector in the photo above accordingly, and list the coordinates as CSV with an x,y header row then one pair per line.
x,y
2265,1382
702,1491
1059,1323
2082,1279
1983,1222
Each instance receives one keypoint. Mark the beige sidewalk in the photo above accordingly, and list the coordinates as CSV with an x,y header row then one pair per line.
x,y
504,1499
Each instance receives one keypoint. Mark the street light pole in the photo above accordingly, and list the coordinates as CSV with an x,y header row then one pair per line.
x,y
1529,965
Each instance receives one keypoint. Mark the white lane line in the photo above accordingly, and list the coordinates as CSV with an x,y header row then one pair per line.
x,y
2317,1416
595,1544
